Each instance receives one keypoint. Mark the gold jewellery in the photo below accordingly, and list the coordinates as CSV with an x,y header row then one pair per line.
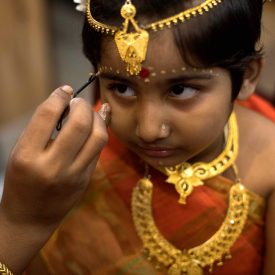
x,y
186,176
4,270
149,73
189,262
192,261
133,46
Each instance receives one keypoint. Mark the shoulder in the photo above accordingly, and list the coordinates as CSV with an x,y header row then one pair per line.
x,y
257,151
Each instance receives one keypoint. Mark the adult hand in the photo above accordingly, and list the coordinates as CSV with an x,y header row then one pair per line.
x,y
45,179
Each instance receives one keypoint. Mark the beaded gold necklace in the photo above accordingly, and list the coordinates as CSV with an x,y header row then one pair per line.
x,y
191,261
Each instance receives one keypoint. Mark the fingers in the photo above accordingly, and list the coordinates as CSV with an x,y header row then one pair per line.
x,y
96,140
105,113
82,137
43,122
74,133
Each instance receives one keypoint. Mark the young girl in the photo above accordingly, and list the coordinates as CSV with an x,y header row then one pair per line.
x,y
185,184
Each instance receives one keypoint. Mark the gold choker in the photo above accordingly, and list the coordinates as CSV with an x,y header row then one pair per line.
x,y
186,176
133,46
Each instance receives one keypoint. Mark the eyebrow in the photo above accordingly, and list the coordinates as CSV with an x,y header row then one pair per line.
x,y
193,76
113,76
181,78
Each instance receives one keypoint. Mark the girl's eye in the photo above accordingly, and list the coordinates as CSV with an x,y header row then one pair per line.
x,y
123,90
181,91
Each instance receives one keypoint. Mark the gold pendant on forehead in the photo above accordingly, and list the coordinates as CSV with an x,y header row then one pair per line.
x,y
131,46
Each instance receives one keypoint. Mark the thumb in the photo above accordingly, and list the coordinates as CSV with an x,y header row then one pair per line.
x,y
105,113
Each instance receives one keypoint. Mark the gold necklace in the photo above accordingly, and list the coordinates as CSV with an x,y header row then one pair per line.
x,y
193,260
189,262
186,176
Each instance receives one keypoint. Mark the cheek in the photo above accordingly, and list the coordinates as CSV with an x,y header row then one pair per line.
x,y
122,128
202,124
122,120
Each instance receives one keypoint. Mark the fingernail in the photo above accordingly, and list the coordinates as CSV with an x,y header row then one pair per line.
x,y
68,89
105,113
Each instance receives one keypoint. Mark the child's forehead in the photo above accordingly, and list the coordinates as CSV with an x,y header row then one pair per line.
x,y
163,60
162,55
162,52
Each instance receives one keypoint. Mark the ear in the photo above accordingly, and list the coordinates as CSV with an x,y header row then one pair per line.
x,y
251,78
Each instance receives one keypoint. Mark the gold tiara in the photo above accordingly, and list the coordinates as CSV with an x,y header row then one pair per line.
x,y
133,46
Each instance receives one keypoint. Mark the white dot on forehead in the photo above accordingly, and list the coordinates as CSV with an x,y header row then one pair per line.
x,y
157,71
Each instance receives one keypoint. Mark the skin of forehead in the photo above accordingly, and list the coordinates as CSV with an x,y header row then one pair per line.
x,y
162,54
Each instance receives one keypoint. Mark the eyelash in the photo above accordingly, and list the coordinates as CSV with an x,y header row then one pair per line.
x,y
113,87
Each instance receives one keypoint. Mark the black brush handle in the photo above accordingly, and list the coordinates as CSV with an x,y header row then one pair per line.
x,y
91,79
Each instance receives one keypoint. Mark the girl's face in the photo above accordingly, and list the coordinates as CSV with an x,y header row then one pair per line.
x,y
177,116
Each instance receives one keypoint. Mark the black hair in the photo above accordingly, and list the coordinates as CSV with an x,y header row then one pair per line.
x,y
226,36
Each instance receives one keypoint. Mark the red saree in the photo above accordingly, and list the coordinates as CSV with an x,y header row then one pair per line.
x,y
98,236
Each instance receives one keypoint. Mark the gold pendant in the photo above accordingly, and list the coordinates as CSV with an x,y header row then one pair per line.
x,y
188,262
131,46
184,266
182,176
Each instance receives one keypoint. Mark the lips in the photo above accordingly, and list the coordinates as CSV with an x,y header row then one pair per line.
x,y
157,151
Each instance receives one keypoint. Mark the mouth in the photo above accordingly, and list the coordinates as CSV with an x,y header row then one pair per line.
x,y
158,151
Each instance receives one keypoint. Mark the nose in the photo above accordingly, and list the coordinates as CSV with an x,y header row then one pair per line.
x,y
152,122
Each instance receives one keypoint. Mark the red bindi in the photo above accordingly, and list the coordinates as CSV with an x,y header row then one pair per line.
x,y
144,73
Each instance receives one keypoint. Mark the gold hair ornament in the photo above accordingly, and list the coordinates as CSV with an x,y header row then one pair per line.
x,y
4,270
133,46
186,176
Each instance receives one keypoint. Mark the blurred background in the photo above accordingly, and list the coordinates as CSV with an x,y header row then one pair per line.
x,y
40,49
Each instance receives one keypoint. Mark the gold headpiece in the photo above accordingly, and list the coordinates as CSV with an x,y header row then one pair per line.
x,y
133,46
